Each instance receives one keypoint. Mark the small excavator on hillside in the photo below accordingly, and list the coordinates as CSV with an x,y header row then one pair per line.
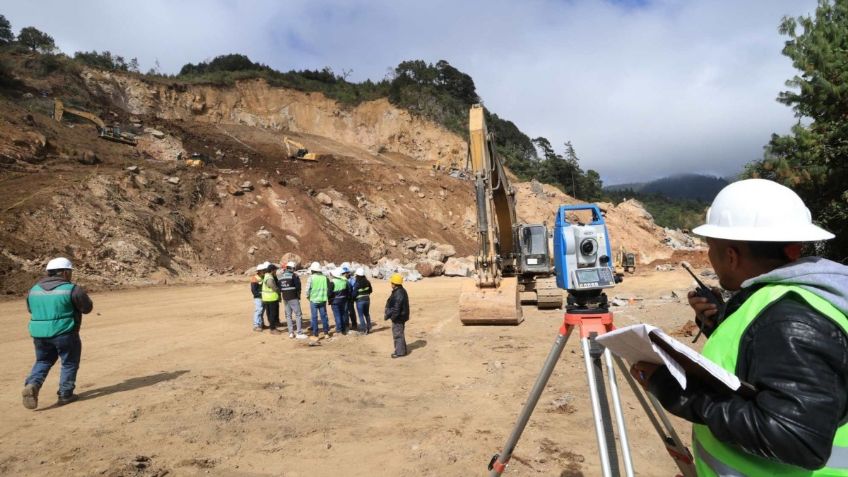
x,y
109,133
296,150
513,265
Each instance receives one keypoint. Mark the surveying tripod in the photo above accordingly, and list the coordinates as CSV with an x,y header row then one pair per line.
x,y
590,314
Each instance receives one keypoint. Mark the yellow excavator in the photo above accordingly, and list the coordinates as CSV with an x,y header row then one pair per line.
x,y
513,265
296,150
624,261
109,133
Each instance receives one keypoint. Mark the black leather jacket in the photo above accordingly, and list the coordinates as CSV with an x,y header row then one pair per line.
x,y
798,361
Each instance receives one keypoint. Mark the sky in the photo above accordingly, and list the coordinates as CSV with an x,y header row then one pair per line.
x,y
642,88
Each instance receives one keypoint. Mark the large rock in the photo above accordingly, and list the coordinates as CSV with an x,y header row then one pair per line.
x,y
430,268
458,267
436,256
292,257
324,199
446,250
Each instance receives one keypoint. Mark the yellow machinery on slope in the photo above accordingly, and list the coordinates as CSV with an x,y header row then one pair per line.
x,y
110,134
296,150
624,262
513,263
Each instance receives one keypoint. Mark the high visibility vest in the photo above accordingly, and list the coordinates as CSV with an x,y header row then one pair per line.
x,y
52,311
714,458
269,294
318,286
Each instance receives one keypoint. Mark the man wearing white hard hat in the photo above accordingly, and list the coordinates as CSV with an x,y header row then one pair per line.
x,y
56,307
784,331
290,290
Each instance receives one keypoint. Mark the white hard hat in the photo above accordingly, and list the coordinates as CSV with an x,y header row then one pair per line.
x,y
315,267
759,210
337,272
262,266
60,263
360,272
290,265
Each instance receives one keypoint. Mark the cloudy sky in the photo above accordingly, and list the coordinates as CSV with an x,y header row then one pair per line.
x,y
642,88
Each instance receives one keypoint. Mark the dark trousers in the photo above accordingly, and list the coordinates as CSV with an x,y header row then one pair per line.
x,y
363,308
47,350
340,315
272,308
351,314
400,339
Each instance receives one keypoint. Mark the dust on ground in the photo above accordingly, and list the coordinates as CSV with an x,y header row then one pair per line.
x,y
174,382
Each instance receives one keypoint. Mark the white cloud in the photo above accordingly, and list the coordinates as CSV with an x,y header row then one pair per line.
x,y
642,91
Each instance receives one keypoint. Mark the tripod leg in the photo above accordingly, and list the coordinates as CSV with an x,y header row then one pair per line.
x,y
619,415
499,461
675,447
600,408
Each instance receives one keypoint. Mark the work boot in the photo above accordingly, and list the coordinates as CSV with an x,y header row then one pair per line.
x,y
30,396
257,328
274,331
67,399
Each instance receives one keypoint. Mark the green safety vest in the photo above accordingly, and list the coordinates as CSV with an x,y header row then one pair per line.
x,y
318,288
339,284
52,311
269,294
714,458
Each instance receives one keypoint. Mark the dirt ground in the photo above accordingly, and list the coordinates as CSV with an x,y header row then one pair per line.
x,y
174,381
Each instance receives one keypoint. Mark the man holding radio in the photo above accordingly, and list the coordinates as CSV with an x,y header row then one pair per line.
x,y
785,332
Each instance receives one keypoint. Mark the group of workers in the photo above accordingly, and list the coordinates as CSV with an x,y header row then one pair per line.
x,y
348,294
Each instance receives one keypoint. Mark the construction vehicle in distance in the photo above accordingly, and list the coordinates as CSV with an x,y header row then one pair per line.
x,y
296,150
513,265
624,261
109,133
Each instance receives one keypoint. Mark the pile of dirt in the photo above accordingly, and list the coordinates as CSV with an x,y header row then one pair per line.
x,y
140,215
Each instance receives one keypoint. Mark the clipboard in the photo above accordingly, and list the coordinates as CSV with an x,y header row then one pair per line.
x,y
745,390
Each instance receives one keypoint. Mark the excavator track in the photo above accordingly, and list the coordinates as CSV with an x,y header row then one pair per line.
x,y
490,306
548,295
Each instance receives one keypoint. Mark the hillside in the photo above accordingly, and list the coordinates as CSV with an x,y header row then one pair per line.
x,y
137,215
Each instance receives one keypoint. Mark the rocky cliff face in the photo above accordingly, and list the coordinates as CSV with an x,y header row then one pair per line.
x,y
375,126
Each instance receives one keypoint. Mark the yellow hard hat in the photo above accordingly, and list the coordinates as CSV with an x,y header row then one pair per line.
x,y
396,279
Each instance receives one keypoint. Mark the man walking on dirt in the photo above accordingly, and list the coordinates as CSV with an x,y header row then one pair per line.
x,y
56,307
317,289
785,332
271,298
397,310
290,289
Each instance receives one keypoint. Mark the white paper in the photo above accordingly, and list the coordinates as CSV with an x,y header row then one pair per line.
x,y
633,344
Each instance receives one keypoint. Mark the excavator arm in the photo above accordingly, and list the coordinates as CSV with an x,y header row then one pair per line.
x,y
492,298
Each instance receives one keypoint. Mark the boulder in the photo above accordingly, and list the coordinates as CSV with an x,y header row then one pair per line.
x,y
458,267
376,212
436,256
173,180
446,250
292,257
264,234
414,189
264,183
155,133
324,199
233,190
246,186
88,158
430,268
133,169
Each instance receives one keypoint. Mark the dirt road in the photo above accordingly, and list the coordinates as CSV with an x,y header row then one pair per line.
x,y
173,381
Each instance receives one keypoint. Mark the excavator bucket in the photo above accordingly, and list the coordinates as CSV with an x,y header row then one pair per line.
x,y
490,306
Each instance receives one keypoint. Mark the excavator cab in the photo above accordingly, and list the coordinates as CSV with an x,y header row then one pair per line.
x,y
534,256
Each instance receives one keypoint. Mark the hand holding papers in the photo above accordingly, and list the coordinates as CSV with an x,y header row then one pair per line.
x,y
650,344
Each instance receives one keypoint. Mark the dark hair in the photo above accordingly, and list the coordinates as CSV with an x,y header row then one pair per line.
x,y
769,250
53,273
